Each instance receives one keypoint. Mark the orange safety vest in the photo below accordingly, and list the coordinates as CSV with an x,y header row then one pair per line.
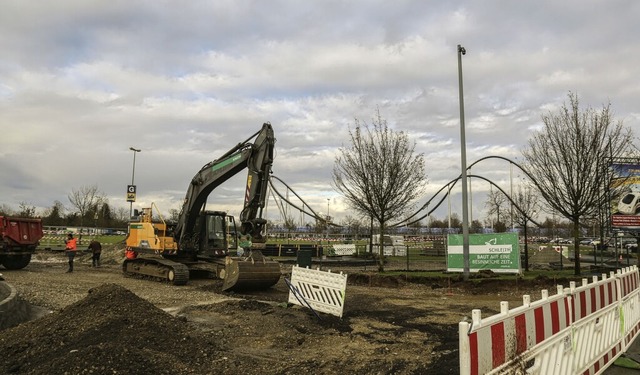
x,y
71,245
130,254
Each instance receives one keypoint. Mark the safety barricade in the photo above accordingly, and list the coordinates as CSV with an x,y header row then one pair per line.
x,y
321,290
580,330
630,307
491,344
344,249
595,342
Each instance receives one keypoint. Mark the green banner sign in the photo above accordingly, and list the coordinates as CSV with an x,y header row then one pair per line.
x,y
498,252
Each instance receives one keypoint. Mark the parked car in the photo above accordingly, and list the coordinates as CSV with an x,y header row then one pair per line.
x,y
629,204
625,242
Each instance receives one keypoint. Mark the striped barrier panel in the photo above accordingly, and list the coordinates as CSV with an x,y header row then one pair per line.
x,y
321,290
580,330
344,249
511,333
595,326
630,305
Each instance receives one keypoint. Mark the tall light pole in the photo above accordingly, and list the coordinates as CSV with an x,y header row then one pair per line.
x,y
328,218
526,240
463,157
133,175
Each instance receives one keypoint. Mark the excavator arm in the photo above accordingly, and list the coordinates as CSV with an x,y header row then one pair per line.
x,y
257,157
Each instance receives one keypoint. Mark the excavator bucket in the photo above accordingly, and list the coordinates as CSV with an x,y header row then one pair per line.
x,y
254,272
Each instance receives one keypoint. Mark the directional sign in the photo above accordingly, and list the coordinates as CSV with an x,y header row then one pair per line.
x,y
131,193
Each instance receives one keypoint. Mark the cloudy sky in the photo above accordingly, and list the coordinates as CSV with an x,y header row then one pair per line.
x,y
82,81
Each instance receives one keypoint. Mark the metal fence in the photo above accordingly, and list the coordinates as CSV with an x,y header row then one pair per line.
x,y
411,257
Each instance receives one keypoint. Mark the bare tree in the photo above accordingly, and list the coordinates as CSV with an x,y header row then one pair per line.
x,y
6,210
174,215
85,199
378,174
495,204
527,202
321,225
26,210
122,215
353,225
290,225
564,160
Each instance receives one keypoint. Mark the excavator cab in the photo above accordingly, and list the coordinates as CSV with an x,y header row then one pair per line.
x,y
218,234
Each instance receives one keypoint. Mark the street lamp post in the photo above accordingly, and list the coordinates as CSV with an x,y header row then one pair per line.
x,y
526,244
463,157
328,219
133,175
526,240
328,200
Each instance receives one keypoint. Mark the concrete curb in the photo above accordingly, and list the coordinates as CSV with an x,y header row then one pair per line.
x,y
13,309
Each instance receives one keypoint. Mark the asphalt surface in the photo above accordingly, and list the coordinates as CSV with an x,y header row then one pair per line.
x,y
632,353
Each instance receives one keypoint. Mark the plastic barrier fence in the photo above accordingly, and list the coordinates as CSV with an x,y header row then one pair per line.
x,y
391,250
322,290
344,249
580,330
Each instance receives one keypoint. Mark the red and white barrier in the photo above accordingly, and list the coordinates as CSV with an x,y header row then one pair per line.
x,y
596,324
630,306
579,330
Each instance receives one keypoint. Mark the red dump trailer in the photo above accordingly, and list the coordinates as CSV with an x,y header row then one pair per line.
x,y
19,238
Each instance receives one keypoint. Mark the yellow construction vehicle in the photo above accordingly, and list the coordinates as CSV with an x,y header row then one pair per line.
x,y
200,241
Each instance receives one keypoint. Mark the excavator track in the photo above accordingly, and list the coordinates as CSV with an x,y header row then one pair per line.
x,y
159,269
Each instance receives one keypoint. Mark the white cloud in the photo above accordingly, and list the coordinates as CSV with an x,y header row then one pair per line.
x,y
82,81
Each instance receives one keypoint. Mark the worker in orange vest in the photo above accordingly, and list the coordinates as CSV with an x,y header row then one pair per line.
x,y
129,253
71,246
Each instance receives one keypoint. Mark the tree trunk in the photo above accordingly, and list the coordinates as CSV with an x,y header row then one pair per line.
x,y
576,246
381,249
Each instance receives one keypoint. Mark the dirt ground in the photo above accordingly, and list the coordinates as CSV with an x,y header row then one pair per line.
x,y
97,321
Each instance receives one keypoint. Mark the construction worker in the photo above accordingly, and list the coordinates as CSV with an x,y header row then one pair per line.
x,y
96,249
129,253
70,249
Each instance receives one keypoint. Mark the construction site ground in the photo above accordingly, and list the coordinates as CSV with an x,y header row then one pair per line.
x,y
97,321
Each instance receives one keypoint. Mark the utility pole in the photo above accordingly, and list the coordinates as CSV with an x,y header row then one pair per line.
x,y
463,157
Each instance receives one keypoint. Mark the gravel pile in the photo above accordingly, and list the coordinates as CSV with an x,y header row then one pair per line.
x,y
111,331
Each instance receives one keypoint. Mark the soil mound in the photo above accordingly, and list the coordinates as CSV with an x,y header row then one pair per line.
x,y
112,331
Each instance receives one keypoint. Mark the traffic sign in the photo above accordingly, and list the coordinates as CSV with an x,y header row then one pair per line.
x,y
131,193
